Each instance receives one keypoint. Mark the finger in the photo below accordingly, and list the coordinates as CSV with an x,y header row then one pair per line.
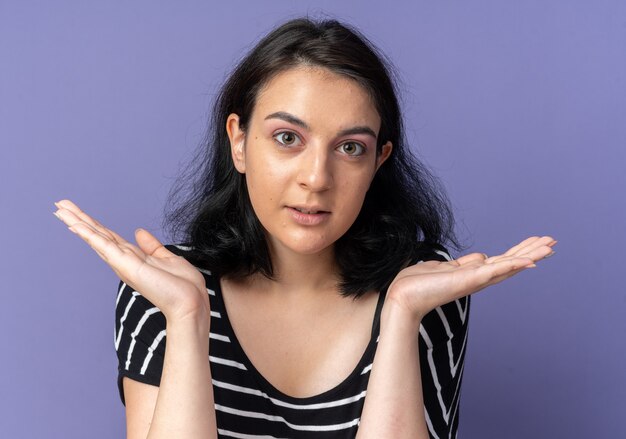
x,y
488,272
541,242
521,245
124,263
151,245
532,257
512,273
101,244
536,254
76,211
498,259
70,218
471,258
67,204
530,245
526,250
537,250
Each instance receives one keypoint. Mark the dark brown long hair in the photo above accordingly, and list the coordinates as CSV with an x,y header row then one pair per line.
x,y
405,209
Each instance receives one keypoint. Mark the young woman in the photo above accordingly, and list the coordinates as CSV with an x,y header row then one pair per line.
x,y
312,296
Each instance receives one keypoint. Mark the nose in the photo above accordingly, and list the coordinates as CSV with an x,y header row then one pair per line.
x,y
315,170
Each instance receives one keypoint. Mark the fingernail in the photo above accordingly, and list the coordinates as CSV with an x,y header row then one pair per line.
x,y
549,254
72,229
57,215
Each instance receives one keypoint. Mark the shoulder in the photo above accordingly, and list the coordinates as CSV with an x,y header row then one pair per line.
x,y
442,340
449,320
140,331
131,307
139,337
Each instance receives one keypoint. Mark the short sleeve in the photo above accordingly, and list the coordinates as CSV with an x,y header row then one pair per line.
x,y
139,338
442,343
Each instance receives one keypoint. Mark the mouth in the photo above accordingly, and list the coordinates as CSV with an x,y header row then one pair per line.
x,y
309,215
309,211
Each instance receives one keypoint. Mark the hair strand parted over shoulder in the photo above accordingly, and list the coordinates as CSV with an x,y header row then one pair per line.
x,y
405,209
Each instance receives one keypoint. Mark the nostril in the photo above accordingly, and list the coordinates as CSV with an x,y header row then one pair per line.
x,y
316,180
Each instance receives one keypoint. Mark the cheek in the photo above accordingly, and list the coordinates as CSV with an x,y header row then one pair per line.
x,y
265,185
265,178
354,195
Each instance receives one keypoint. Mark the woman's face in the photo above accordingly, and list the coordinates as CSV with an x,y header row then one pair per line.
x,y
309,156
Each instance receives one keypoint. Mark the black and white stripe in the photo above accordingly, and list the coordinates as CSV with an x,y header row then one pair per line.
x,y
247,406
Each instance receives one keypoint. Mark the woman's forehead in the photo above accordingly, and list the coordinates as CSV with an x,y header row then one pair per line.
x,y
317,95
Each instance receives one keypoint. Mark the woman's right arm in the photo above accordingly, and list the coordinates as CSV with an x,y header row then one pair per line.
x,y
182,406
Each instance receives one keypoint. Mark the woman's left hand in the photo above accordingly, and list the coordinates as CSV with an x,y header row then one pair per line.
x,y
423,287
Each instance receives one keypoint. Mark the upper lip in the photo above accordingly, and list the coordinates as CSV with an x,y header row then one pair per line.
x,y
309,208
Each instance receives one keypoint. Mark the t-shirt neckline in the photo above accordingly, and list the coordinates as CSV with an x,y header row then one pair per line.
x,y
366,358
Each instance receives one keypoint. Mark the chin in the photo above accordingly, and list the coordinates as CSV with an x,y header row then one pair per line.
x,y
308,246
310,250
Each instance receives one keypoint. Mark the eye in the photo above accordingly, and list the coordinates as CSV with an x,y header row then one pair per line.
x,y
286,138
352,148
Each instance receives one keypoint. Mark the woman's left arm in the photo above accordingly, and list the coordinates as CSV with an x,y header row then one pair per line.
x,y
394,405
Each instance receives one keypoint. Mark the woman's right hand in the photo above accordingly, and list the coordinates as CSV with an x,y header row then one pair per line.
x,y
167,280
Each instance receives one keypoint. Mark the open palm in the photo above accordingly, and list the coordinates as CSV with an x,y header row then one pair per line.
x,y
424,286
169,281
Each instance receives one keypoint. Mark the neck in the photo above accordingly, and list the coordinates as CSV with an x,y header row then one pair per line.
x,y
299,274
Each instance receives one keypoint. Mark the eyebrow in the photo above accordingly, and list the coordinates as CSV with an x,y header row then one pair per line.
x,y
282,115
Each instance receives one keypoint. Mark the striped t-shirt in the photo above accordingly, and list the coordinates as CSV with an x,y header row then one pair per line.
x,y
248,406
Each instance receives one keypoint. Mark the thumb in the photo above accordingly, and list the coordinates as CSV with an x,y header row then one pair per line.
x,y
150,245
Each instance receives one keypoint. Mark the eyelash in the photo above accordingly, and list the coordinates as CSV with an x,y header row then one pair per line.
x,y
275,136
362,147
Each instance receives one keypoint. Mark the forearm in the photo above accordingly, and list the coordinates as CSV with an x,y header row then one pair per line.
x,y
185,407
394,405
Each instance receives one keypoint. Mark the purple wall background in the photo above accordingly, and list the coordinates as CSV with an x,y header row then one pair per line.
x,y
519,107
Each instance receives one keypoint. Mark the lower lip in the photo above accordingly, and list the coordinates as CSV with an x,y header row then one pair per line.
x,y
308,219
